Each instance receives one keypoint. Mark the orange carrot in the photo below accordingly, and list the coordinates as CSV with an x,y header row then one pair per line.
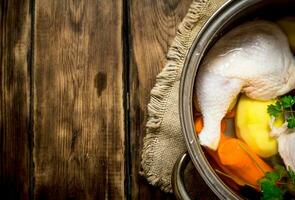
x,y
231,114
223,126
226,170
199,124
236,159
242,161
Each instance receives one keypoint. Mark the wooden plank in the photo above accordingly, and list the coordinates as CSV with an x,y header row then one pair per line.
x,y
15,41
79,119
153,27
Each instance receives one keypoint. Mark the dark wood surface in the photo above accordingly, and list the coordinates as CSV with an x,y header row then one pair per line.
x,y
68,69
152,29
78,105
15,137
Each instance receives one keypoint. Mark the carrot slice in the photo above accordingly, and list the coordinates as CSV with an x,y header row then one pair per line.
x,y
199,124
231,114
236,159
242,161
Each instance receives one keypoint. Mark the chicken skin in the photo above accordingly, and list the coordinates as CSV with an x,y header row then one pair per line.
x,y
253,58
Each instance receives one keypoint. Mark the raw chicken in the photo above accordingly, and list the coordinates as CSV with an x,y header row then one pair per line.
x,y
253,58
286,140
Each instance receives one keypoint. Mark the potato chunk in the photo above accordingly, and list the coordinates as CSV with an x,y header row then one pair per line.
x,y
252,126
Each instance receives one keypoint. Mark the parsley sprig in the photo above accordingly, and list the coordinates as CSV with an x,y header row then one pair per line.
x,y
284,106
291,174
275,184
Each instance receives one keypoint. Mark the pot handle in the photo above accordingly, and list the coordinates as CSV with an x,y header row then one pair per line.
x,y
177,177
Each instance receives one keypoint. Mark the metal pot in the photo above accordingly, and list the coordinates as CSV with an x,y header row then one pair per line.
x,y
229,15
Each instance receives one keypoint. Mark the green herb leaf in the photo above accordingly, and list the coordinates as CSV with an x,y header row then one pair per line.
x,y
287,101
291,122
275,184
283,105
272,177
274,110
291,175
281,170
270,187
270,191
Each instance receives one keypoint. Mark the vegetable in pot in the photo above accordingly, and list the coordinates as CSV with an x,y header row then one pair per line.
x,y
285,134
237,160
252,125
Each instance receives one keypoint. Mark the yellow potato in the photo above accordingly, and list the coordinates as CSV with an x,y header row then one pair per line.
x,y
252,126
288,26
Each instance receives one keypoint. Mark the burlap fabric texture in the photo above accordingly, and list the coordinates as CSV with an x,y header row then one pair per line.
x,y
164,141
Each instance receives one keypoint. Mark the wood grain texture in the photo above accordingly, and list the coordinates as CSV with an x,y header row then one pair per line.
x,y
153,25
78,105
76,108
14,99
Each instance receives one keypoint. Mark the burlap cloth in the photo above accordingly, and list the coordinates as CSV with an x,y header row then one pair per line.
x,y
164,140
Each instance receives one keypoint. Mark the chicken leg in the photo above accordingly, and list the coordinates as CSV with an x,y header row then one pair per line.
x,y
253,58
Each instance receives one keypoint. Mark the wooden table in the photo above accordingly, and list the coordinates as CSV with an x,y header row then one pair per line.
x,y
75,81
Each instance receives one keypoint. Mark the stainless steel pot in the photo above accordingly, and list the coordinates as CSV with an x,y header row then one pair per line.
x,y
229,15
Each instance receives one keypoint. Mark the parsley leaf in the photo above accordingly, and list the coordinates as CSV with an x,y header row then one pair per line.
x,y
283,106
270,191
274,110
281,170
275,184
291,122
272,177
291,175
287,101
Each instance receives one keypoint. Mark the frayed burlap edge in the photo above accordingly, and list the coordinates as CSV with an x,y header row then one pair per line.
x,y
175,59
164,81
